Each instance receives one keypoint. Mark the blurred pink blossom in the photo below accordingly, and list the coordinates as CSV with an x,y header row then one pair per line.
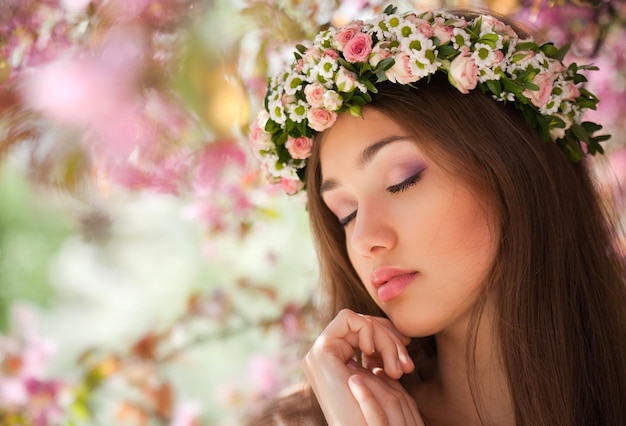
x,y
264,373
186,414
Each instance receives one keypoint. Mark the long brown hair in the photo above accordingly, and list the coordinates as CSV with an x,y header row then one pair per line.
x,y
558,280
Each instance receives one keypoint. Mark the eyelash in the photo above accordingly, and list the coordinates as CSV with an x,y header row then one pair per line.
x,y
393,189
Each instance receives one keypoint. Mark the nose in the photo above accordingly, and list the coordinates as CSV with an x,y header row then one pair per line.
x,y
373,231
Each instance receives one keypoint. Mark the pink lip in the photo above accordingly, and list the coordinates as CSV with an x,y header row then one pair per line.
x,y
390,282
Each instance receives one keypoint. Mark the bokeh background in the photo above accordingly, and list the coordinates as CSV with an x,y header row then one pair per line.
x,y
148,274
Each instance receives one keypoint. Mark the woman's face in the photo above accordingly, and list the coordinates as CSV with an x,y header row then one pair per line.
x,y
420,240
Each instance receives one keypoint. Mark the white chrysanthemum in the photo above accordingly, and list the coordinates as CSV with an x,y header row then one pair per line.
x,y
297,111
487,74
325,39
380,28
405,29
418,44
326,67
293,84
460,38
279,170
277,112
423,54
505,97
552,106
484,56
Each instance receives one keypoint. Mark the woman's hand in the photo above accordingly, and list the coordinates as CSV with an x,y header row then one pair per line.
x,y
353,395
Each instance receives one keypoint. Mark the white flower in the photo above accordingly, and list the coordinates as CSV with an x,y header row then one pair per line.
x,y
326,67
460,38
345,80
277,112
483,55
293,84
332,100
297,111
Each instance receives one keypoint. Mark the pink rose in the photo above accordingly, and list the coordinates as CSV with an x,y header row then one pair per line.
x,y
559,132
570,91
379,52
299,65
345,80
299,148
321,119
422,25
331,53
312,55
463,72
556,66
489,24
290,186
540,97
315,95
345,34
442,31
358,48
259,138
401,71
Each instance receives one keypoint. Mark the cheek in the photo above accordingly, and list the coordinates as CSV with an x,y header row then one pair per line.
x,y
469,242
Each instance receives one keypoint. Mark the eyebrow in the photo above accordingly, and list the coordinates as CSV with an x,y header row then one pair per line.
x,y
365,158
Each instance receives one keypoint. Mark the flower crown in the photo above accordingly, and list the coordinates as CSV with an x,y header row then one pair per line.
x,y
339,72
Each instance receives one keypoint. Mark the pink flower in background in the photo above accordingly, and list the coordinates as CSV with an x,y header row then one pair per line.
x,y
264,374
186,414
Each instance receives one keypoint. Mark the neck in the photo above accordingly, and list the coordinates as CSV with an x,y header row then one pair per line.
x,y
457,389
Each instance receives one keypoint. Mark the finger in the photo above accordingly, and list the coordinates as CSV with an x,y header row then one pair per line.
x,y
387,388
372,410
405,360
370,337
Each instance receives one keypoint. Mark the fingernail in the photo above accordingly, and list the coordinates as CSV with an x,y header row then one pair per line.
x,y
357,380
399,366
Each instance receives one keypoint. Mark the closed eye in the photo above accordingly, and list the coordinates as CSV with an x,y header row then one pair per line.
x,y
346,220
405,184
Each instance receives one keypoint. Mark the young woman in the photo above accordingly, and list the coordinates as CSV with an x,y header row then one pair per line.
x,y
469,269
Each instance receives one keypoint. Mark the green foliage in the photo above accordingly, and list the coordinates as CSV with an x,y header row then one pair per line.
x,y
30,234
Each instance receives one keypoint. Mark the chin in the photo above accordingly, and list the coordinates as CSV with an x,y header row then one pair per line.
x,y
414,326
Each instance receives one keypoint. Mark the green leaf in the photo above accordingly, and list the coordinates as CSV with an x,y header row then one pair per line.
x,y
529,45
580,133
591,127
355,111
390,10
271,126
549,49
447,51
385,64
531,86
370,86
301,48
494,86
347,65
571,148
560,54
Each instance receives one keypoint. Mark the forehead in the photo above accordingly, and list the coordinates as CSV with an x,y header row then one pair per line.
x,y
350,135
